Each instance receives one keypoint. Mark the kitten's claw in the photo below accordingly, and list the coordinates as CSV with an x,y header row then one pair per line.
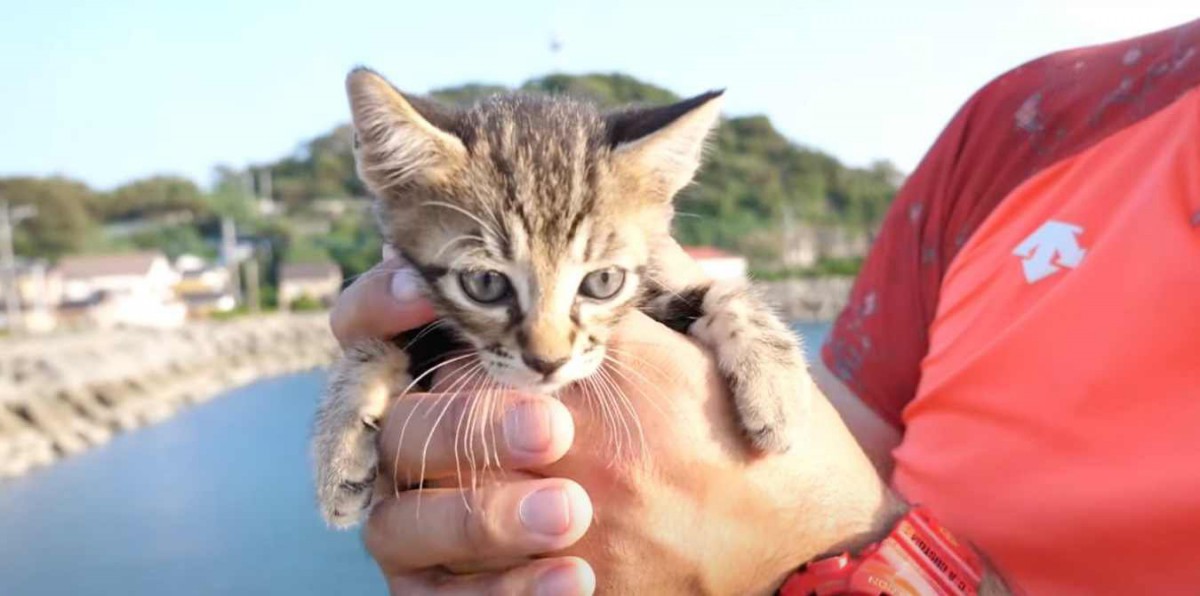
x,y
348,420
757,354
768,439
346,483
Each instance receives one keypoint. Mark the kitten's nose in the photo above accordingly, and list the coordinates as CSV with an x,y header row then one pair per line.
x,y
546,367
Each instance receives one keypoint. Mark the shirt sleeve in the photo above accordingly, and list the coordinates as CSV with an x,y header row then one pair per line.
x,y
1014,127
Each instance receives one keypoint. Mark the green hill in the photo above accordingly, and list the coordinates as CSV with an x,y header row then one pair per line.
x,y
754,178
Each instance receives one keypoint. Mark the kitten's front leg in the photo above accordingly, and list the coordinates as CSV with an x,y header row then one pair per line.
x,y
760,358
361,385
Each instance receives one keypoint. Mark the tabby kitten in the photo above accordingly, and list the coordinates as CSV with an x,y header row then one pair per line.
x,y
534,223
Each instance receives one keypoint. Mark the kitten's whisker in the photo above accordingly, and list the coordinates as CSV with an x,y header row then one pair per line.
x,y
407,419
432,370
605,398
590,394
486,419
369,273
622,401
460,438
628,405
470,215
493,400
426,331
662,286
433,429
440,397
454,241
468,439
610,419
664,376
638,358
624,370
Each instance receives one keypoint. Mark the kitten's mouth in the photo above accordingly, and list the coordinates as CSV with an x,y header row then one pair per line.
x,y
548,386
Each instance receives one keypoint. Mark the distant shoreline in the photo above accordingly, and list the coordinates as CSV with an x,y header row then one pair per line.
x,y
808,300
63,394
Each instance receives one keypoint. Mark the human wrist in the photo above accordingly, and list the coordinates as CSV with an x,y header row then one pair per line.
x,y
915,556
834,503
874,526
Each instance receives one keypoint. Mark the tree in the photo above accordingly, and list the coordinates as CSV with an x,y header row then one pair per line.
x,y
63,224
151,197
753,179
607,90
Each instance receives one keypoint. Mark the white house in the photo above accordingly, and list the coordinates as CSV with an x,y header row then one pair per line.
x,y
319,282
205,288
717,263
135,289
39,290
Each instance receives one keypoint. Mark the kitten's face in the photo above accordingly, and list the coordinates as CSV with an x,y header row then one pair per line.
x,y
537,302
532,220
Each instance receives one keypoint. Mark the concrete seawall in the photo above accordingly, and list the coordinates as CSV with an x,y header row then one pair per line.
x,y
817,299
61,395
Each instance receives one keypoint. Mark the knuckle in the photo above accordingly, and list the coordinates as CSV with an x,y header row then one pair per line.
x,y
336,321
481,525
374,535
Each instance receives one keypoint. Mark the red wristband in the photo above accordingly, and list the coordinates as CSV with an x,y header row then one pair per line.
x,y
918,558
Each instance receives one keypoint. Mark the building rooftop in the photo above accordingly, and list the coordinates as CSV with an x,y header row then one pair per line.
x,y
85,266
708,252
314,270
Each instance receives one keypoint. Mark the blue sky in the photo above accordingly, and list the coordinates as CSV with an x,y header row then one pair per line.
x,y
111,90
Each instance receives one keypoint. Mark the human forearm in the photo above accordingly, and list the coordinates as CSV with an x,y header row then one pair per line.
x,y
874,434
867,513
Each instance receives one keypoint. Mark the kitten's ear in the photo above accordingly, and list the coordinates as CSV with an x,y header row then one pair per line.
x,y
663,146
399,139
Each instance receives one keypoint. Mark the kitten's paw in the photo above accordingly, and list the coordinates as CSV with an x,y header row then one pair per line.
x,y
360,387
347,465
761,359
771,409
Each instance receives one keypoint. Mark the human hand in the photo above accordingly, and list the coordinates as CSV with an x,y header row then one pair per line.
x,y
690,509
416,536
687,510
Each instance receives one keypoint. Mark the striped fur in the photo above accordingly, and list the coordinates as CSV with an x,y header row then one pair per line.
x,y
544,190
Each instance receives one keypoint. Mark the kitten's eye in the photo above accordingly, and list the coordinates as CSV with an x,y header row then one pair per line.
x,y
603,284
485,287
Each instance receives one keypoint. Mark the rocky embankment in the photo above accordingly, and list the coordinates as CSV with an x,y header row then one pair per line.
x,y
60,395
810,299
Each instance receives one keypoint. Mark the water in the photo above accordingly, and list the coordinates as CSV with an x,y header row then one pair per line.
x,y
214,501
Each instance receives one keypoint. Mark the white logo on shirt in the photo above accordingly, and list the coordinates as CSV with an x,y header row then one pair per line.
x,y
1052,248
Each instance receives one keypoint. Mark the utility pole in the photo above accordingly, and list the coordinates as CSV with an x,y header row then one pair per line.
x,y
10,217
785,236
264,184
252,296
230,257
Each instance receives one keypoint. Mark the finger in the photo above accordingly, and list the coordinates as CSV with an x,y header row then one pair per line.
x,y
677,270
381,303
423,528
428,436
638,338
563,576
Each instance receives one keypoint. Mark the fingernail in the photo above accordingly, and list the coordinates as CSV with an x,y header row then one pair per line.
x,y
388,252
527,428
404,285
546,512
564,580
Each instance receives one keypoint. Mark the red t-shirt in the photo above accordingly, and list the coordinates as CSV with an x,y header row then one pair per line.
x,y
1030,316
